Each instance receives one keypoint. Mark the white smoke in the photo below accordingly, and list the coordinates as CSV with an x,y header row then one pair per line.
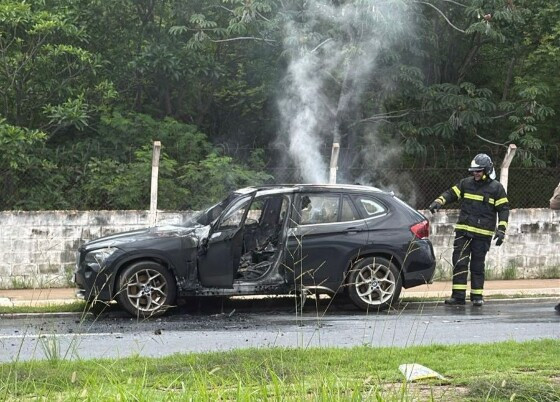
x,y
302,117
332,50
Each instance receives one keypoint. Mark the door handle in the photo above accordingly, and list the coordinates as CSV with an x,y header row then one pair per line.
x,y
352,230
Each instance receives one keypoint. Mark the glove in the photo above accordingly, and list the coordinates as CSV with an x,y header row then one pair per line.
x,y
434,206
500,236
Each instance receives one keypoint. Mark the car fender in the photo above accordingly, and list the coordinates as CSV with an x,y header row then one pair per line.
x,y
140,255
372,250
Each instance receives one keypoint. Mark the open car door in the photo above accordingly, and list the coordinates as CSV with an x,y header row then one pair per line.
x,y
221,253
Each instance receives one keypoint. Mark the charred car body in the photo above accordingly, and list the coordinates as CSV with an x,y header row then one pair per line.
x,y
267,240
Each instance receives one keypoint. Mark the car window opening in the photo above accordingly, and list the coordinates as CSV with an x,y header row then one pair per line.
x,y
319,208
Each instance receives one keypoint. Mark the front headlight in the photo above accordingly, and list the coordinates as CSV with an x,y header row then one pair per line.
x,y
96,259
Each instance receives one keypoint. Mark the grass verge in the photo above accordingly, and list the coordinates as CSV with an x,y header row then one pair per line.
x,y
506,371
74,307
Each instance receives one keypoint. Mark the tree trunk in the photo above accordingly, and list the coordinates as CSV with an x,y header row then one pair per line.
x,y
167,102
138,96
509,78
470,57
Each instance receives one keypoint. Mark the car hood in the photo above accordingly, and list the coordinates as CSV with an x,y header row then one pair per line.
x,y
157,232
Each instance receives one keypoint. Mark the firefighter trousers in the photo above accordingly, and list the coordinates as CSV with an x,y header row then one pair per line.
x,y
469,252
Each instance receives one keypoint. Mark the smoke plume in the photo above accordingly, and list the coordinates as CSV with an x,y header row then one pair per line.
x,y
332,51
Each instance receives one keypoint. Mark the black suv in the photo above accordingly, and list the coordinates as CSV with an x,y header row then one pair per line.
x,y
267,240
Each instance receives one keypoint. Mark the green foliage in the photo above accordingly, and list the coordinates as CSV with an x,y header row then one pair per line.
x,y
214,176
191,173
118,130
17,145
104,79
72,113
117,185
44,62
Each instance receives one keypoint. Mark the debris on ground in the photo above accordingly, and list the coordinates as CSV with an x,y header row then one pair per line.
x,y
415,372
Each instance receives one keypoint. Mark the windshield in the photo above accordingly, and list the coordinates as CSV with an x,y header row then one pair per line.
x,y
209,215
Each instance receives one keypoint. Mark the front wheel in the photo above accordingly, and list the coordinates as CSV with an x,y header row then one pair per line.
x,y
146,289
374,283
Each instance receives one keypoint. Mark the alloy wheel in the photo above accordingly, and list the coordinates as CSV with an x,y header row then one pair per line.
x,y
147,290
375,284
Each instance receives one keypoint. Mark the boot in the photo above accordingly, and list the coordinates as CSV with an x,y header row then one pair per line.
x,y
477,302
452,301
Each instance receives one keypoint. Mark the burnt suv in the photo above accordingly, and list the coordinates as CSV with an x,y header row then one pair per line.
x,y
286,239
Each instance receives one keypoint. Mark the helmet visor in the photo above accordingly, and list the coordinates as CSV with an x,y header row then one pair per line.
x,y
476,169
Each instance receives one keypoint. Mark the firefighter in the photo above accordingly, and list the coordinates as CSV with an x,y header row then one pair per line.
x,y
481,198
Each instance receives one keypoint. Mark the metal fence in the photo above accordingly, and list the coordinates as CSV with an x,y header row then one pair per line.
x,y
418,179
527,187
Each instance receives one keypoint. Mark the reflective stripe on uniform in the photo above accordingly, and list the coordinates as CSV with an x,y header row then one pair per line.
x,y
477,291
441,200
503,223
457,191
501,201
477,197
459,287
473,229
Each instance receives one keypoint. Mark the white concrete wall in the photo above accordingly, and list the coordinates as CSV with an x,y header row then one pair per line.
x,y
39,248
531,246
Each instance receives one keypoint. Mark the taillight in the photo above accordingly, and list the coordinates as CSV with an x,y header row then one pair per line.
x,y
421,230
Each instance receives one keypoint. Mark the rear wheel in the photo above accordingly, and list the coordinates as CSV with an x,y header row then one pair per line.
x,y
374,283
146,289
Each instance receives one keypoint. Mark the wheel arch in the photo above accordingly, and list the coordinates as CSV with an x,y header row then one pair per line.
x,y
127,262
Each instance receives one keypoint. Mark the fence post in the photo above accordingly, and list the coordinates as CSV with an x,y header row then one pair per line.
x,y
334,162
154,187
504,171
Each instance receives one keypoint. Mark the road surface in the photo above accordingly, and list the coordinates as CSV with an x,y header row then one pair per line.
x,y
232,324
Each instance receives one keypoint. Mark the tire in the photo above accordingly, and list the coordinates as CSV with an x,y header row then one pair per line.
x,y
146,289
374,283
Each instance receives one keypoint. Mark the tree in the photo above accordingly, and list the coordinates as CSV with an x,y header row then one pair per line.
x,y
47,77
459,95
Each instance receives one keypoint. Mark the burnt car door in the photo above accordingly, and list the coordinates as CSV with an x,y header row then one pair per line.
x,y
327,233
263,239
220,254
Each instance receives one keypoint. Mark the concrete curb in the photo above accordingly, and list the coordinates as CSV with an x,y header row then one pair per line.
x,y
503,288
552,292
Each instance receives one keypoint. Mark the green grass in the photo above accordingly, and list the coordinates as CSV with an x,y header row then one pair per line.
x,y
74,307
549,272
508,273
444,272
505,371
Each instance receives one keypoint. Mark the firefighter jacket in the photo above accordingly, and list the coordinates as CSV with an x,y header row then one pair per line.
x,y
480,202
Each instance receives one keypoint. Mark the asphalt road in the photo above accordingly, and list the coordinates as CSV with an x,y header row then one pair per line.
x,y
218,325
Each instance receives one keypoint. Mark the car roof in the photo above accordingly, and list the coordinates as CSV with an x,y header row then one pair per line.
x,y
293,188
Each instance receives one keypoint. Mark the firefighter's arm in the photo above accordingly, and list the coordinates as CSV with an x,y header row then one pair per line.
x,y
453,194
502,207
